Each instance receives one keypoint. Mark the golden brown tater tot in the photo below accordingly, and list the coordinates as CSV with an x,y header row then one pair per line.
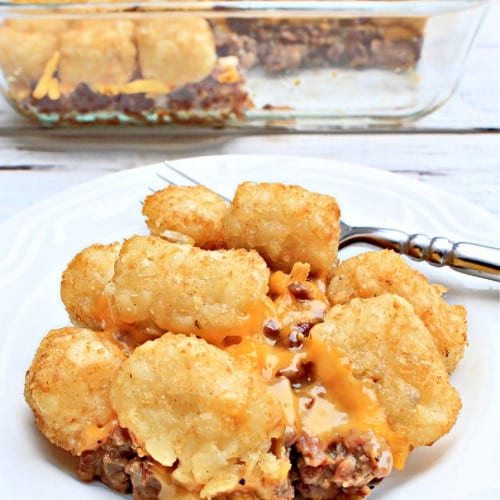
x,y
175,50
393,353
186,214
83,283
162,286
67,387
98,53
188,403
285,224
374,273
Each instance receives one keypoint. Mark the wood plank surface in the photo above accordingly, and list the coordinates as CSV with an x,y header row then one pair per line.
x,y
464,164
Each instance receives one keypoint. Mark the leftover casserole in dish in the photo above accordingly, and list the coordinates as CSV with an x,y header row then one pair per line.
x,y
230,63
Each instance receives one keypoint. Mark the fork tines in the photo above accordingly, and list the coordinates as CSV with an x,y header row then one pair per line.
x,y
184,176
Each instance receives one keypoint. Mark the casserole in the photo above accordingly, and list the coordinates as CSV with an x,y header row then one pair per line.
x,y
244,64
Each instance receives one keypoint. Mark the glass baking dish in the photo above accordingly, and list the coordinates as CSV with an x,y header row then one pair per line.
x,y
239,64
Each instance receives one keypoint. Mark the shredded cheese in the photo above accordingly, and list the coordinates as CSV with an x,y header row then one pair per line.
x,y
93,436
135,87
48,84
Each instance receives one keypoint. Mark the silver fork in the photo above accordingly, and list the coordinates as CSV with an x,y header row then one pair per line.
x,y
469,258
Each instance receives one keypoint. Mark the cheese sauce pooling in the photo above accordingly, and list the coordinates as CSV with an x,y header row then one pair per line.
x,y
313,381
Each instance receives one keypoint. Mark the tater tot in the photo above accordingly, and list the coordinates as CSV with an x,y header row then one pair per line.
x,y
393,353
102,53
285,224
165,286
186,214
189,405
41,25
374,273
68,384
24,54
175,51
83,283
123,26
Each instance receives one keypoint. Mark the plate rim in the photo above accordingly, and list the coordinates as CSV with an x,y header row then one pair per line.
x,y
104,180
365,169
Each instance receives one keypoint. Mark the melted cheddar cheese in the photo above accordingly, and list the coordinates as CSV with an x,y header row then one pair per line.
x,y
251,324
50,86
313,381
328,401
146,86
93,436
48,83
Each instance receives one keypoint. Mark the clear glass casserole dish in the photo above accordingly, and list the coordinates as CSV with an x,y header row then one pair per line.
x,y
244,64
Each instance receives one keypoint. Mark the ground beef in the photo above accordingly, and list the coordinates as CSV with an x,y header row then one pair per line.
x,y
108,463
46,105
210,95
399,54
117,465
145,485
347,468
241,46
223,99
84,99
284,45
133,103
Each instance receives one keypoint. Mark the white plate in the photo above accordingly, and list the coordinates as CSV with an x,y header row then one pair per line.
x,y
36,245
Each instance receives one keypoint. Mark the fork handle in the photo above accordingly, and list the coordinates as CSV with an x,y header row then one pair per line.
x,y
469,258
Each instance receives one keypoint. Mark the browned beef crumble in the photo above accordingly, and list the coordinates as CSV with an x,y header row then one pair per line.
x,y
117,465
84,99
223,99
145,484
133,102
45,104
241,46
210,95
346,469
108,462
283,45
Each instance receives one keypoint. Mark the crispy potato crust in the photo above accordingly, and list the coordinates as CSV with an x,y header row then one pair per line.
x,y
41,25
186,214
175,51
374,273
189,404
393,353
165,286
99,53
285,224
24,54
68,384
83,283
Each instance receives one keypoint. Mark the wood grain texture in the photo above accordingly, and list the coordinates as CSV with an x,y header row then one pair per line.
x,y
464,164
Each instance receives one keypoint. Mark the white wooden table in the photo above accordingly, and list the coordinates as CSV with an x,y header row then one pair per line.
x,y
457,148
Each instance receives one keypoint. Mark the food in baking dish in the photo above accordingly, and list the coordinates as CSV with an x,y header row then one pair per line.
x,y
282,44
260,369
66,70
